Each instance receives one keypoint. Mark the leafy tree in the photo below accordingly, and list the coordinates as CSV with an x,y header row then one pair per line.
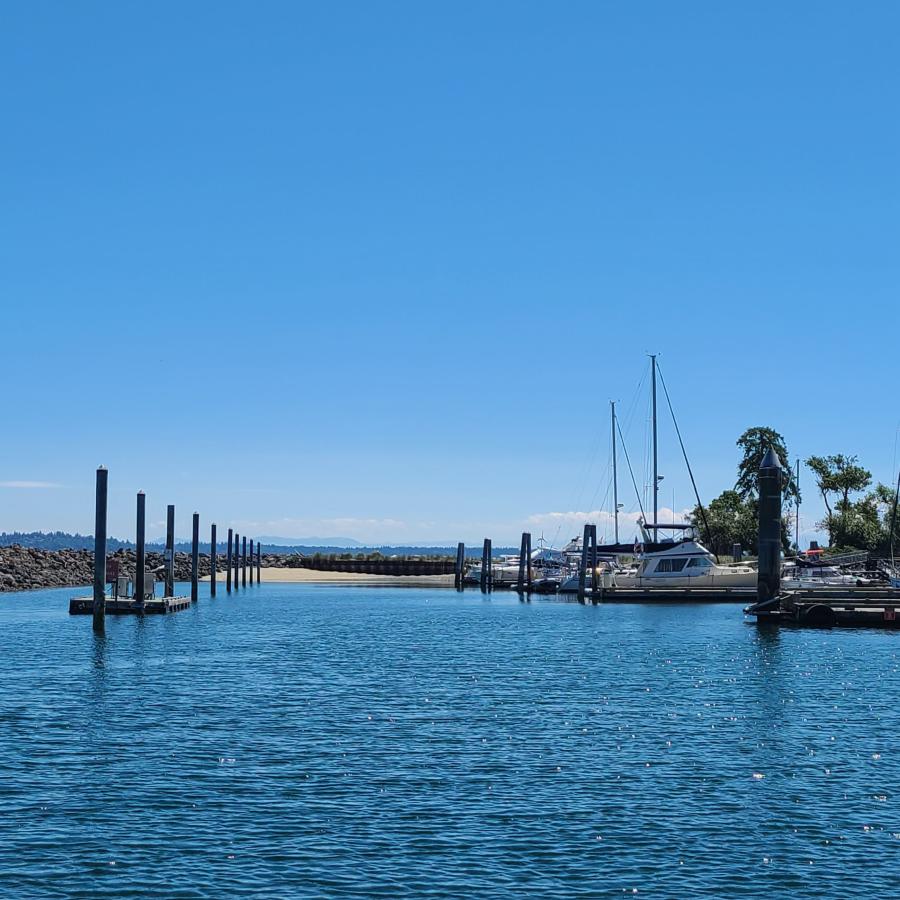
x,y
754,444
840,476
731,520
866,524
732,516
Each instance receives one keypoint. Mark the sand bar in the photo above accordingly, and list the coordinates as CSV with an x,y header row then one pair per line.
x,y
314,576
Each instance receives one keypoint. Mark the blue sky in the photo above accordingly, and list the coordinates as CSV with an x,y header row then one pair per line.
x,y
375,269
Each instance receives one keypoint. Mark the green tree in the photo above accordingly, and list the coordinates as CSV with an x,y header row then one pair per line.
x,y
864,524
754,444
839,476
857,528
731,520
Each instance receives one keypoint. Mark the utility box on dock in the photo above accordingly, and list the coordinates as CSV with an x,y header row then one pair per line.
x,y
149,585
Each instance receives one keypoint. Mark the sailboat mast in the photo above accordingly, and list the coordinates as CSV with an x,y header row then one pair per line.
x,y
894,518
797,485
655,460
612,404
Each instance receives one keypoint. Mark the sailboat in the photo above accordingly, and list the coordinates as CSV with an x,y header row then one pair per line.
x,y
671,563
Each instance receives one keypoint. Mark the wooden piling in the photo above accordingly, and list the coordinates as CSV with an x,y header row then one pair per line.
x,y
459,570
487,575
169,559
99,610
258,563
228,564
237,560
140,558
212,560
768,583
524,582
251,562
244,561
195,559
595,581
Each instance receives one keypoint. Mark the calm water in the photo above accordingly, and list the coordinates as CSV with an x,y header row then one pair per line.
x,y
296,741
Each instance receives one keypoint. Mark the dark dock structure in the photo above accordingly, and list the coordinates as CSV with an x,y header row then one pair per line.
x,y
842,607
137,596
128,606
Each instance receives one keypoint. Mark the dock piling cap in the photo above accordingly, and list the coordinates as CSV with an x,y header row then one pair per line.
x,y
770,460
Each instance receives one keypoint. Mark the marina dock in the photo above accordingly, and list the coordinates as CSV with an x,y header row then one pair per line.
x,y
122,606
845,609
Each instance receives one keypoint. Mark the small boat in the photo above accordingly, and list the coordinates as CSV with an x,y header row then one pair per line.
x,y
806,577
546,564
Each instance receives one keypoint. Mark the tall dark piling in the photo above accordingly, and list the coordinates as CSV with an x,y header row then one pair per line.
x,y
244,561
195,558
251,562
768,584
583,563
237,560
459,570
524,581
212,560
140,557
228,563
258,564
588,562
170,551
487,576
99,609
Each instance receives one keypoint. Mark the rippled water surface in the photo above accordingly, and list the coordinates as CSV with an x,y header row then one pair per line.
x,y
295,741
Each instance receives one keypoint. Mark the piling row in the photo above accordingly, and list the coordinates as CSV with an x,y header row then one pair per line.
x,y
142,599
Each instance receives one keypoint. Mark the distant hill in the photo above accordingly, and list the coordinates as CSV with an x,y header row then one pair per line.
x,y
308,541
57,540
61,540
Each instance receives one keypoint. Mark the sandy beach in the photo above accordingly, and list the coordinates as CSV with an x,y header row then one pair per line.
x,y
313,576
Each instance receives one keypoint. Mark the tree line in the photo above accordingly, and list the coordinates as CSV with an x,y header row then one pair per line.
x,y
852,522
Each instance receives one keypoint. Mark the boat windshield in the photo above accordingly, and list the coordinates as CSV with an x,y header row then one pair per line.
x,y
675,564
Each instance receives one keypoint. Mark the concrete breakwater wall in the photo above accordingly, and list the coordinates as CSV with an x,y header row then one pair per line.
x,y
380,566
24,568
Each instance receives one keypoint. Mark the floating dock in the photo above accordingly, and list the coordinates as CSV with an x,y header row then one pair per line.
x,y
670,595
847,608
642,595
84,606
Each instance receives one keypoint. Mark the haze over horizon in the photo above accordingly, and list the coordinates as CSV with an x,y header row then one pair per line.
x,y
376,270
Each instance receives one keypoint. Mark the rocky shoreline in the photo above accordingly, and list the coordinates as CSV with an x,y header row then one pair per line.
x,y
25,569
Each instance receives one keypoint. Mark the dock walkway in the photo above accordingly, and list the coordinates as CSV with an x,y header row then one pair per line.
x,y
864,607
84,606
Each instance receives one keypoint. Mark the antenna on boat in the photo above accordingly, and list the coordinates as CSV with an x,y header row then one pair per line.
x,y
612,404
894,518
655,448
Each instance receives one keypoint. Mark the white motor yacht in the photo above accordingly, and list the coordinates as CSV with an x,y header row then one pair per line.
x,y
686,564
